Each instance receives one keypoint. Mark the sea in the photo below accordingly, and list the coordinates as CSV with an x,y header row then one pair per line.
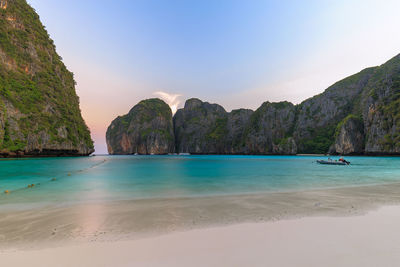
x,y
31,182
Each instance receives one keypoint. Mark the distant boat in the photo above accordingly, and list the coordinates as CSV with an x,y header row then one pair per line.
x,y
331,162
184,154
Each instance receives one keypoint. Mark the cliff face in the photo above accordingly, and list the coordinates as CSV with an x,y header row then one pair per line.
x,y
203,128
357,115
349,137
318,117
380,109
39,108
199,127
372,96
269,129
146,129
234,141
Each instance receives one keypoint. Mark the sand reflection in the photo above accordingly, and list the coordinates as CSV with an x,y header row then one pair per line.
x,y
91,217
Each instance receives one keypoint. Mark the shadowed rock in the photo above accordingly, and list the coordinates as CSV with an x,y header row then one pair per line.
x,y
146,129
200,128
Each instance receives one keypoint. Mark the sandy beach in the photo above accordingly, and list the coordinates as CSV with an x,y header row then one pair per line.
x,y
353,226
367,240
199,133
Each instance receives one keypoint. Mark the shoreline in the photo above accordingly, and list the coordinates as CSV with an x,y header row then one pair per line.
x,y
52,225
367,240
26,156
34,156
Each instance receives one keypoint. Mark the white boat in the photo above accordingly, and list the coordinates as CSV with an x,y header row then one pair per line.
x,y
331,162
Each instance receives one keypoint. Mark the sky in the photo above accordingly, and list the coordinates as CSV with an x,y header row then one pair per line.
x,y
238,54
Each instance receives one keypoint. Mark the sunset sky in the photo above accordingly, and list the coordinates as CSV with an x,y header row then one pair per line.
x,y
235,53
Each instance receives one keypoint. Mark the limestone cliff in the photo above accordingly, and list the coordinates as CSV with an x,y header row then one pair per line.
x,y
203,128
380,109
349,137
357,115
372,96
146,129
237,122
39,108
200,128
318,117
269,129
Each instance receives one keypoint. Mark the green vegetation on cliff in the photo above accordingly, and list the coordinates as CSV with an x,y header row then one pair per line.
x,y
320,141
357,115
220,129
146,129
37,92
144,112
353,117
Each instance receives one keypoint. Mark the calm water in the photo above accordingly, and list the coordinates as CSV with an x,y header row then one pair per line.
x,y
104,178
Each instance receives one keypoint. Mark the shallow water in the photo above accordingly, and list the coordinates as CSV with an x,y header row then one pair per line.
x,y
106,178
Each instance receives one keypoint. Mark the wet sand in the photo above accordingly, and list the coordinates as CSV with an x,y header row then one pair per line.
x,y
365,240
57,225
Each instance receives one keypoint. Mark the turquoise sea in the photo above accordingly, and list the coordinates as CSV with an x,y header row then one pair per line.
x,y
107,178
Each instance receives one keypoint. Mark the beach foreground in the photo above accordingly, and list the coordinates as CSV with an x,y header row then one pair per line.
x,y
89,214
367,240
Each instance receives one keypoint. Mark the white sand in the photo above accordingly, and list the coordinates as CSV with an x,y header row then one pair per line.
x,y
369,240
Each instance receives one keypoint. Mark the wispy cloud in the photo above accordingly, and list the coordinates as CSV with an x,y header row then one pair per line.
x,y
171,99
